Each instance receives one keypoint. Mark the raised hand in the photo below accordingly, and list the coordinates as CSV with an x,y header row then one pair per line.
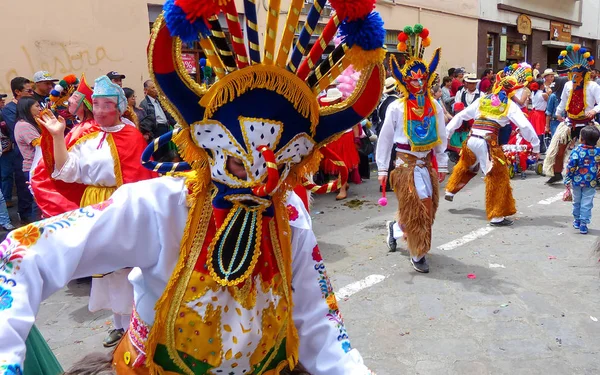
x,y
56,127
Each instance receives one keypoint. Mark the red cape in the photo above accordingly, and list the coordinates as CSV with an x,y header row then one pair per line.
x,y
55,197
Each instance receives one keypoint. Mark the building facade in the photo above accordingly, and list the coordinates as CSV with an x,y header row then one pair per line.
x,y
534,30
94,37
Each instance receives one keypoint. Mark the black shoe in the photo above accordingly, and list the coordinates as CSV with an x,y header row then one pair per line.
x,y
391,241
113,338
504,223
420,266
449,198
556,178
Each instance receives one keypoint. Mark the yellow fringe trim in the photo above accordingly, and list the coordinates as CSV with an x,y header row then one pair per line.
x,y
115,155
263,77
188,150
36,142
362,59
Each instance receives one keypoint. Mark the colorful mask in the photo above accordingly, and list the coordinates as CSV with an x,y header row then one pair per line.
x,y
263,112
415,79
578,60
104,88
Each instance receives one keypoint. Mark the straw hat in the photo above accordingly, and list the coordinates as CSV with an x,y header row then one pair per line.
x,y
390,85
470,78
548,72
332,95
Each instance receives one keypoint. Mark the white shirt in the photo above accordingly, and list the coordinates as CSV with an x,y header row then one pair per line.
x,y
514,115
592,97
392,132
136,229
469,97
519,94
538,102
161,118
90,162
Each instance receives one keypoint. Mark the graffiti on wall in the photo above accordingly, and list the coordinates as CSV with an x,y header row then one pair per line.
x,y
58,58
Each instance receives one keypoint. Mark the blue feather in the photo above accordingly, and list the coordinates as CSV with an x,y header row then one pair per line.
x,y
367,33
180,27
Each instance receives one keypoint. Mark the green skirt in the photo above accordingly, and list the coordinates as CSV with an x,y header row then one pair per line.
x,y
39,359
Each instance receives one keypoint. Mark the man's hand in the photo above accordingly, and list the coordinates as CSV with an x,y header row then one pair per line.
x,y
590,114
560,118
382,180
441,176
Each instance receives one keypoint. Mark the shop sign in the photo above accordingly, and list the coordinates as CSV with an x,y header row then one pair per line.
x,y
560,32
189,61
524,24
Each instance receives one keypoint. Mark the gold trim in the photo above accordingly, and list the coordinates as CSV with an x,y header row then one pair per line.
x,y
115,155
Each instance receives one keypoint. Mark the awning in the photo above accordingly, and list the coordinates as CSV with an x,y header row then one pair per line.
x,y
555,44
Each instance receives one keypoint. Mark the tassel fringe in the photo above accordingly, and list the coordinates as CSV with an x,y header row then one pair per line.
x,y
263,77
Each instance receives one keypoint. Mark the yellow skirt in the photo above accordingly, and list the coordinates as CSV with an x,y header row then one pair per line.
x,y
96,194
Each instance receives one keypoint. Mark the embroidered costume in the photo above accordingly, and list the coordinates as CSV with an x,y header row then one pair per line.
x,y
581,101
482,150
229,278
415,126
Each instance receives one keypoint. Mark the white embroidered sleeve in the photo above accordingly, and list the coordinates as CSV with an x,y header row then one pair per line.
x,y
466,114
70,171
41,258
324,345
385,142
440,150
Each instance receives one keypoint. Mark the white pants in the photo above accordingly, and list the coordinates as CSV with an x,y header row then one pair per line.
x,y
480,149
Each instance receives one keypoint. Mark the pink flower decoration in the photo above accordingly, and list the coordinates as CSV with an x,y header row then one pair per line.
x,y
102,205
317,254
292,212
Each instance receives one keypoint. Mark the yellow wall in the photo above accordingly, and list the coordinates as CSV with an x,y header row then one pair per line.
x,y
85,36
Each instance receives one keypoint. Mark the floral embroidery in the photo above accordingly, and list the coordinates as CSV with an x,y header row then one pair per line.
x,y
6,299
334,314
11,254
102,205
317,254
28,235
292,212
11,370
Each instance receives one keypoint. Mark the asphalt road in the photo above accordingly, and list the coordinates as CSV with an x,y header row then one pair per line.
x,y
532,308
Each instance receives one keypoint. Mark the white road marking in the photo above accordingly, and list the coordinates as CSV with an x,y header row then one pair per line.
x,y
496,265
551,200
466,238
356,287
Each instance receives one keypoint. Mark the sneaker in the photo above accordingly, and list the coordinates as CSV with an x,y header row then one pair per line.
x,y
8,227
576,224
391,241
556,178
504,223
449,197
113,338
420,266
583,229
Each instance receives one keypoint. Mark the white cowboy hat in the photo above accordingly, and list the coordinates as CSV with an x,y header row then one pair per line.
x,y
548,72
390,85
470,78
333,94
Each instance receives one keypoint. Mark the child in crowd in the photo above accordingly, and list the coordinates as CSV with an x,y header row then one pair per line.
x,y
582,174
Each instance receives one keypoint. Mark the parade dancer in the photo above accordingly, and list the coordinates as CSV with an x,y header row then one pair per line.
x,y
580,99
229,277
482,150
414,126
103,159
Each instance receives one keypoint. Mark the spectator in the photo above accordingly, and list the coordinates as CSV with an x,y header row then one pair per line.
x,y
447,99
4,218
116,78
548,76
27,136
457,82
436,91
144,121
162,121
552,121
536,70
486,81
11,161
27,131
2,102
469,93
597,76
44,83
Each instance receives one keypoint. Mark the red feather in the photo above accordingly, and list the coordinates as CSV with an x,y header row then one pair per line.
x,y
352,10
195,9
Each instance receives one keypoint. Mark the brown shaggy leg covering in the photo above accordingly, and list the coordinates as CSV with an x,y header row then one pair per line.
x,y
415,216
462,174
298,370
499,200
93,364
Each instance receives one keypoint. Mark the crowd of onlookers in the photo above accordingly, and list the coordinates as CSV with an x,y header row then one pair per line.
x,y
20,134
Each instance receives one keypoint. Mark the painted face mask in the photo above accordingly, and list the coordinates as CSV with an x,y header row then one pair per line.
x,y
577,60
